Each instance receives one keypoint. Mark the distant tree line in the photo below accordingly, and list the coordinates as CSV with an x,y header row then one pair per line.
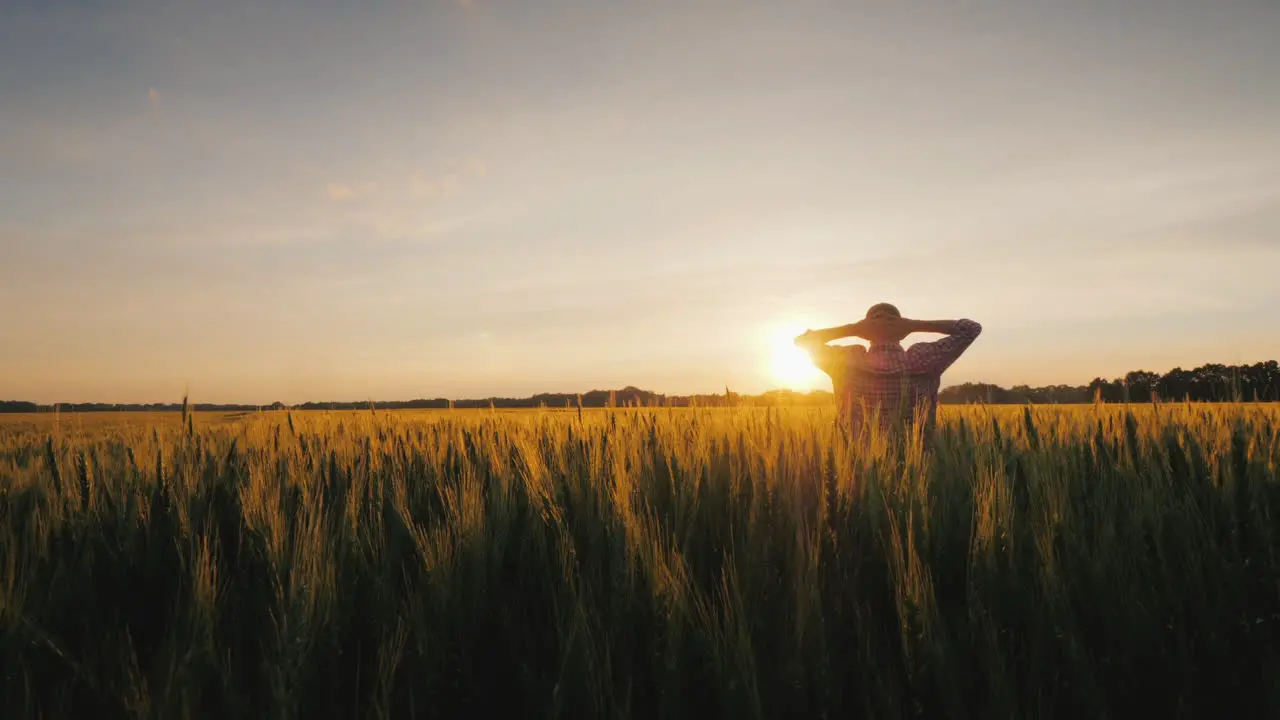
x,y
1207,383
626,397
15,406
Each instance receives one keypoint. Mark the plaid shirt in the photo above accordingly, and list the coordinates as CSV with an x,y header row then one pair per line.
x,y
889,383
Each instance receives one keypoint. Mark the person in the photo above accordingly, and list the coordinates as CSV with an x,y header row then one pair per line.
x,y
883,383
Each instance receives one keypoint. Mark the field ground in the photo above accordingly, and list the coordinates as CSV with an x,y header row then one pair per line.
x,y
1064,561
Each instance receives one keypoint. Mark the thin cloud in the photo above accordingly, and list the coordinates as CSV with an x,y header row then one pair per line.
x,y
341,192
153,97
423,187
448,182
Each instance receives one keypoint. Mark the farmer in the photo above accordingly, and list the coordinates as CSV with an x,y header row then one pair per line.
x,y
885,384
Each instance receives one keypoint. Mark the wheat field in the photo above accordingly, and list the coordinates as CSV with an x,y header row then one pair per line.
x,y
1071,562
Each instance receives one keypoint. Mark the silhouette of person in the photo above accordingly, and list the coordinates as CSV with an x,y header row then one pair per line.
x,y
885,384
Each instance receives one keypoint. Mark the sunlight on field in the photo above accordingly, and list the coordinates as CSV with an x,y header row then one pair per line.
x,y
744,561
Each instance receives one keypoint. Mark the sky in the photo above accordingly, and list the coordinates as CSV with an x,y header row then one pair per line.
x,y
384,200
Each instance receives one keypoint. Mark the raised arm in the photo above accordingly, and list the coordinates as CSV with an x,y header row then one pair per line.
x,y
942,327
935,357
814,338
834,360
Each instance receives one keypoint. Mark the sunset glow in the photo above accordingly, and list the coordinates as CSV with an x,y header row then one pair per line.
x,y
790,367
303,201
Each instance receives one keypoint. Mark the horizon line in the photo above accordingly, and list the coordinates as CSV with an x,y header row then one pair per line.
x,y
633,388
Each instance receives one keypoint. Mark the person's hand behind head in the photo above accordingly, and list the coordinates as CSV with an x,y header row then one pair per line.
x,y
883,330
884,324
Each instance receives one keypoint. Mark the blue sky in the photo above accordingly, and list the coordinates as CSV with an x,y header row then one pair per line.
x,y
329,200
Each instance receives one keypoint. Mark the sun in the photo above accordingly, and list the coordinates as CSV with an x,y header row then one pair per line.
x,y
789,366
